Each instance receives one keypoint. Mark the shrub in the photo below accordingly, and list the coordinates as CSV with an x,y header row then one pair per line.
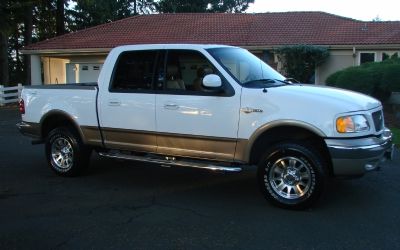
x,y
391,78
300,61
377,79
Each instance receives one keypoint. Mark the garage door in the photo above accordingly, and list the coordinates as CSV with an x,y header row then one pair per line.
x,y
83,72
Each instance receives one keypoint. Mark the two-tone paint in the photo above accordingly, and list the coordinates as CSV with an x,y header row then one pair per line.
x,y
221,128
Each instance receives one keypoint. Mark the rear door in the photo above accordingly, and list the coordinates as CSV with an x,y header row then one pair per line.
x,y
192,121
127,108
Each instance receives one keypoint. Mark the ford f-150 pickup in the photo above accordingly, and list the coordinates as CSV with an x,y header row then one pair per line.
x,y
212,107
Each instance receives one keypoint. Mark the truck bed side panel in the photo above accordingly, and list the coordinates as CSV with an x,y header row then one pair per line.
x,y
78,103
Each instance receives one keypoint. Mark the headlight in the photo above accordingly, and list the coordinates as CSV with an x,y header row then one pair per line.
x,y
352,124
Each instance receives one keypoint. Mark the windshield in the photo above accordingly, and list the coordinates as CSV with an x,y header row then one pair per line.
x,y
246,68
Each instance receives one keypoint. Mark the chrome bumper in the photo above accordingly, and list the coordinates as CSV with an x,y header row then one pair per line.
x,y
354,157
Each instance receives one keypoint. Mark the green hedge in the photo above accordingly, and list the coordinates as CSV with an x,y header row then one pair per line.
x,y
377,79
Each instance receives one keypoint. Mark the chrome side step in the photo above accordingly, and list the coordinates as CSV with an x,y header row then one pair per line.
x,y
170,161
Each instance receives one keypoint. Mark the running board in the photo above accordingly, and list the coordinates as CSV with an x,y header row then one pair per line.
x,y
171,162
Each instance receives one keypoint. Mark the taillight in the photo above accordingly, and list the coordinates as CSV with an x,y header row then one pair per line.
x,y
21,106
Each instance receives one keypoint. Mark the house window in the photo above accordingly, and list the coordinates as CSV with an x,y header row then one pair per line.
x,y
366,57
388,55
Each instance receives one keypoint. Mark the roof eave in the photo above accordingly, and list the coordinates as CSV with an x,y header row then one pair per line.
x,y
249,47
332,47
66,51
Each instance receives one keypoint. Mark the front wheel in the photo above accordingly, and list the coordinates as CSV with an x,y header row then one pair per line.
x,y
65,153
292,175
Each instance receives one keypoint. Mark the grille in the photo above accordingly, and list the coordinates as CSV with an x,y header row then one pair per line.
x,y
378,120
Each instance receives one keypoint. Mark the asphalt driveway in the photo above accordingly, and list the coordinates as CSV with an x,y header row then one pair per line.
x,y
123,205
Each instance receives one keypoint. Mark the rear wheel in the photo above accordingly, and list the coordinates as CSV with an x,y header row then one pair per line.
x,y
292,175
65,153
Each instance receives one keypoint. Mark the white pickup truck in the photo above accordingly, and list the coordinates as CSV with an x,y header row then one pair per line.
x,y
211,107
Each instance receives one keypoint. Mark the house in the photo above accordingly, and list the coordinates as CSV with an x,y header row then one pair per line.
x,y
78,56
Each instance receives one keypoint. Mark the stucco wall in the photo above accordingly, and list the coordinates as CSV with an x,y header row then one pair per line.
x,y
337,60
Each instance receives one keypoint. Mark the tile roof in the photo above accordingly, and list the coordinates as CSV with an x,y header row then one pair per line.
x,y
261,29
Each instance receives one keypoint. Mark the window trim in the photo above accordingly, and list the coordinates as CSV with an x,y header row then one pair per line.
x,y
228,89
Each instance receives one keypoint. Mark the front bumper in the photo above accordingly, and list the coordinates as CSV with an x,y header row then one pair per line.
x,y
354,157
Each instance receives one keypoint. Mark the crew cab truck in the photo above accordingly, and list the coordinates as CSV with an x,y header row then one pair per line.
x,y
212,107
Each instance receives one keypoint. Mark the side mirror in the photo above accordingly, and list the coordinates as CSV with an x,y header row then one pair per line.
x,y
212,81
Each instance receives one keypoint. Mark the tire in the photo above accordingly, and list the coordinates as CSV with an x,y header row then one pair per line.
x,y
66,155
292,175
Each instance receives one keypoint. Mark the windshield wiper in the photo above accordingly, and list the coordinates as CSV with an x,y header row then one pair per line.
x,y
291,80
264,81
288,81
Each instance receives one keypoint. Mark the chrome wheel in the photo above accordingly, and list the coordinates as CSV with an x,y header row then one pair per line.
x,y
62,153
290,177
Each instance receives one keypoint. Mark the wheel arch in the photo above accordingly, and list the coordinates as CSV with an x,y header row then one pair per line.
x,y
58,118
286,130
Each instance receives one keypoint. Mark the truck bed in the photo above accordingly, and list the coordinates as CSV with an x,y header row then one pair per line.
x,y
79,103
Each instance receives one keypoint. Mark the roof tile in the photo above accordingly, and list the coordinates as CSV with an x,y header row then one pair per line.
x,y
267,29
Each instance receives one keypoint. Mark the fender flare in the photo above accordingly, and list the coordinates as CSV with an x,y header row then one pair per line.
x,y
69,117
244,153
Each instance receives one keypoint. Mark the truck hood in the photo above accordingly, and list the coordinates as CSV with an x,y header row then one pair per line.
x,y
343,100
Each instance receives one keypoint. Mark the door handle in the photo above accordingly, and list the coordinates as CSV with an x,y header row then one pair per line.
x,y
114,103
248,110
171,106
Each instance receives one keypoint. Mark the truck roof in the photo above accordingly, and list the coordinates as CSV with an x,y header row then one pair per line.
x,y
171,46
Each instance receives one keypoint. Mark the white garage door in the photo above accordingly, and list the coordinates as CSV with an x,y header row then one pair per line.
x,y
83,72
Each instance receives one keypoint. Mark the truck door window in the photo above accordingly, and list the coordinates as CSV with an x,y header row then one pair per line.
x,y
134,71
185,70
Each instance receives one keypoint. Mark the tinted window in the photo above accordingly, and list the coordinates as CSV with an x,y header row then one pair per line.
x,y
134,71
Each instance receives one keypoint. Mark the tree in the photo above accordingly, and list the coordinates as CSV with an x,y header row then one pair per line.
x,y
4,33
191,6
179,6
60,20
235,6
28,30
300,61
44,19
88,13
143,6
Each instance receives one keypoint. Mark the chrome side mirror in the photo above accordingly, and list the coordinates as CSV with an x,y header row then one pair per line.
x,y
212,81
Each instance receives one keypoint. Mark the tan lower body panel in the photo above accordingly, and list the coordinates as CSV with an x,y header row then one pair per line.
x,y
242,153
222,149
125,139
91,135
202,147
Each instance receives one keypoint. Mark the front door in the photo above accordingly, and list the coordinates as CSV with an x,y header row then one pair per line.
x,y
192,121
